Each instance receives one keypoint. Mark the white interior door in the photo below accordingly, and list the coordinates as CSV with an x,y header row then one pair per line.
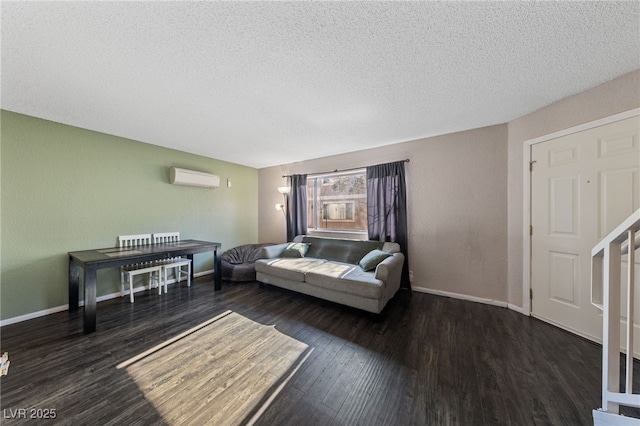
x,y
582,186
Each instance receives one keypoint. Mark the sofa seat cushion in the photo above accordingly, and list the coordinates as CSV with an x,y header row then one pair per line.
x,y
345,278
290,268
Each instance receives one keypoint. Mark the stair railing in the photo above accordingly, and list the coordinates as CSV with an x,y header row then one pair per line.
x,y
606,276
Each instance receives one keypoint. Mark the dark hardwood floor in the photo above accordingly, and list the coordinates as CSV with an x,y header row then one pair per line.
x,y
427,360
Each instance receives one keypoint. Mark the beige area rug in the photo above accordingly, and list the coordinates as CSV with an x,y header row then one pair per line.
x,y
222,372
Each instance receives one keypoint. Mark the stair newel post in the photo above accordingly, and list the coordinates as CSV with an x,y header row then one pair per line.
x,y
630,309
611,326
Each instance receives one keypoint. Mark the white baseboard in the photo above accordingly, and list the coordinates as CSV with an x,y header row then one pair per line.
x,y
469,298
518,309
569,329
460,296
200,274
61,308
33,315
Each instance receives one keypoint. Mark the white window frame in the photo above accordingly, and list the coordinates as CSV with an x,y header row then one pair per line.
x,y
312,228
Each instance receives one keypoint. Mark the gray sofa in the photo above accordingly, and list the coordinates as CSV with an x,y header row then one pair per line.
x,y
334,269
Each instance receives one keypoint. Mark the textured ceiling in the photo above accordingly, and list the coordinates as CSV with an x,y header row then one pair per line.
x,y
268,83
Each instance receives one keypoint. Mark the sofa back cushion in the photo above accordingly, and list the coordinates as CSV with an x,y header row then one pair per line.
x,y
347,251
372,259
295,250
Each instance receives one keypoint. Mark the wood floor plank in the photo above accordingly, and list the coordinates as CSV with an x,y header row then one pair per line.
x,y
283,408
348,371
321,361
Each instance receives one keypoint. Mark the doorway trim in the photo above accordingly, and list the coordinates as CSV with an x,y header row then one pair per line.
x,y
526,193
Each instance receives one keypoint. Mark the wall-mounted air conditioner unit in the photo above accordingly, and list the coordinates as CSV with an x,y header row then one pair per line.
x,y
193,178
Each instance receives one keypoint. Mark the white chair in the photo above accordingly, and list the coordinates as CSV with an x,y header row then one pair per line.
x,y
180,264
127,272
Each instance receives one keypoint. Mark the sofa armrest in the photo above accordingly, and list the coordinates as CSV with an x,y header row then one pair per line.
x,y
390,270
270,252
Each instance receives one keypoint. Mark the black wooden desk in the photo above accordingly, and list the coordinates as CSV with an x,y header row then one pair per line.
x,y
92,260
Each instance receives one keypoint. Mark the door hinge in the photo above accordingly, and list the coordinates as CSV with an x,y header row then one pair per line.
x,y
531,293
530,229
531,165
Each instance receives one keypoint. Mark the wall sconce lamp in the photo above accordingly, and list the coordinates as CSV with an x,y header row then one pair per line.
x,y
284,190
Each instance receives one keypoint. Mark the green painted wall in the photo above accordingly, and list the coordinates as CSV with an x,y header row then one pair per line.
x,y
64,189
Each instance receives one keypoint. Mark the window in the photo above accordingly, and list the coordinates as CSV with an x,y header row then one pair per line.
x,y
338,202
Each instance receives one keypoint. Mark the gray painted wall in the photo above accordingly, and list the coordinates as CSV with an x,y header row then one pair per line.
x,y
457,196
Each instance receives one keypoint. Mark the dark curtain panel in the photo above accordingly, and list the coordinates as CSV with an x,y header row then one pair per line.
x,y
297,207
387,208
